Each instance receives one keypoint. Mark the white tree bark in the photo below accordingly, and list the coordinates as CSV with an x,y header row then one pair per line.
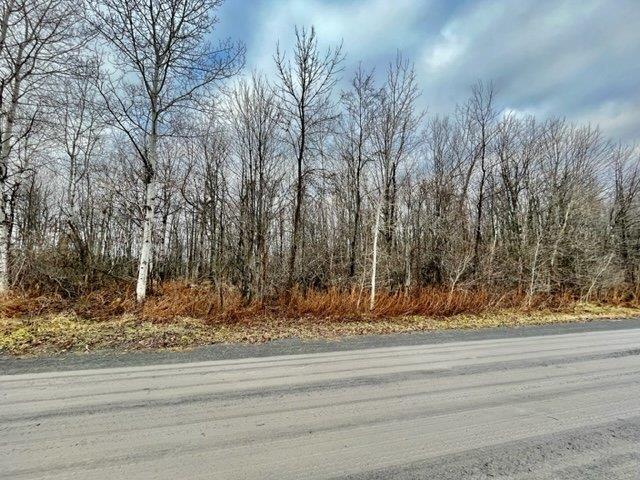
x,y
374,261
4,248
146,249
5,150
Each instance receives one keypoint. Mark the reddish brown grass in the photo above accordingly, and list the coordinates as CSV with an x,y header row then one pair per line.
x,y
176,299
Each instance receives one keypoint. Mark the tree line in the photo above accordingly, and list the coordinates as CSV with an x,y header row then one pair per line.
x,y
135,149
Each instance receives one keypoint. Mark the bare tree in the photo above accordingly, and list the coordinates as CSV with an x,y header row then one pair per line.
x,y
305,87
79,133
37,38
356,149
164,59
626,191
255,116
260,187
395,138
480,115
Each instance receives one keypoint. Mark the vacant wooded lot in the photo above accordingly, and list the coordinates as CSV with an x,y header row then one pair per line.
x,y
155,194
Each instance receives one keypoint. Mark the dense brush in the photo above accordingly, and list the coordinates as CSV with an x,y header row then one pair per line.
x,y
180,299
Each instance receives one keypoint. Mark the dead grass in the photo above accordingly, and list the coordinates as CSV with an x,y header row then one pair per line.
x,y
178,299
59,333
182,315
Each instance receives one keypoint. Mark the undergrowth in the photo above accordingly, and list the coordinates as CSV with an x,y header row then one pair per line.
x,y
182,315
179,299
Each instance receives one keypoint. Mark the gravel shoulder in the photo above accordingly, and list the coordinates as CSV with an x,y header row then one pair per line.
x,y
10,365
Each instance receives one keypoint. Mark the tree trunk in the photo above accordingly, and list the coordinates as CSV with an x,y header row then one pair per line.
x,y
478,232
354,235
4,248
5,150
295,238
374,261
146,250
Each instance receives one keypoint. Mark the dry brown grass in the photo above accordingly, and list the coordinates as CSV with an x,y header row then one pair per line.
x,y
54,334
178,299
179,315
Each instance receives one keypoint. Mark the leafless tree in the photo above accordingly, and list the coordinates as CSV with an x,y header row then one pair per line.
x,y
305,85
255,115
395,138
37,40
163,59
355,146
268,184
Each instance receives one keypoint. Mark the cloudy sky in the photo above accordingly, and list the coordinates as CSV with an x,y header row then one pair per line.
x,y
578,59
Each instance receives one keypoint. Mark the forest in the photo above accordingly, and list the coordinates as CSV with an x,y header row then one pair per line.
x,y
145,168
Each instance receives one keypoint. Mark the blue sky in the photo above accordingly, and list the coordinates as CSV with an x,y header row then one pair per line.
x,y
578,59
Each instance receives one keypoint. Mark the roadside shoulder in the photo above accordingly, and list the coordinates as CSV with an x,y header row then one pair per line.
x,y
292,346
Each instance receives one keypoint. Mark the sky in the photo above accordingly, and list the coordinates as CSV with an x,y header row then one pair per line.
x,y
578,59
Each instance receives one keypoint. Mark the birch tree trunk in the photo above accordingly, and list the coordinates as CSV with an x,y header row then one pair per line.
x,y
5,150
146,249
4,244
374,261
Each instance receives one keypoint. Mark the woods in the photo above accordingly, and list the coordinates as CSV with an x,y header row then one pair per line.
x,y
137,151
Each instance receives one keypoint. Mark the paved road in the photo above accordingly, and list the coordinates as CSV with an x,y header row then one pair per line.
x,y
561,406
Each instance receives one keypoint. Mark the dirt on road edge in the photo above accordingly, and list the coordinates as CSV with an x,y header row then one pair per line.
x,y
57,334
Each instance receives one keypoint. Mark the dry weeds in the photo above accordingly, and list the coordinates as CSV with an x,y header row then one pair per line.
x,y
117,323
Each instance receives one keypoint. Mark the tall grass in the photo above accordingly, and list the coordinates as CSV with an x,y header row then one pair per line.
x,y
180,299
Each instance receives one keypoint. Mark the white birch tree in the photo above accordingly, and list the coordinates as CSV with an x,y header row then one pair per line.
x,y
37,39
163,59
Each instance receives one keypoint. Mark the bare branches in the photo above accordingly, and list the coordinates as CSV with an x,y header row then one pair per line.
x,y
306,83
129,158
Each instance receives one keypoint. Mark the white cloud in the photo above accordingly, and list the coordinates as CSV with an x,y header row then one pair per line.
x,y
450,47
571,58
619,120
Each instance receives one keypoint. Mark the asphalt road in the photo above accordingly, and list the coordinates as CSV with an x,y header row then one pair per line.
x,y
563,406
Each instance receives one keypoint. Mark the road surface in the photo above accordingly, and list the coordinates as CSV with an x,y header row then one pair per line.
x,y
563,406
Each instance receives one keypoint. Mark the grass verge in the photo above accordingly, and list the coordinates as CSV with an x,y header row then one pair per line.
x,y
55,333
